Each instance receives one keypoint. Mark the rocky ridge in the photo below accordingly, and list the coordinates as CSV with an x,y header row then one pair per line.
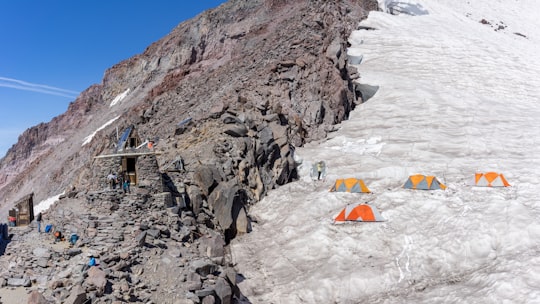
x,y
147,252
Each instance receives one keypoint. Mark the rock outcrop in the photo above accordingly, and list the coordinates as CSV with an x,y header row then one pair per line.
x,y
144,252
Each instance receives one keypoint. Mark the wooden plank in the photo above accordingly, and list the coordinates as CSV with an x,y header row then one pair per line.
x,y
127,154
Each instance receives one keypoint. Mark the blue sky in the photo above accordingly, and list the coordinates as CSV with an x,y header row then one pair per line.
x,y
52,50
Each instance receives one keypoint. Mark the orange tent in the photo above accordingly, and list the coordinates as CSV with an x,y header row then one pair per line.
x,y
490,179
422,182
352,185
359,213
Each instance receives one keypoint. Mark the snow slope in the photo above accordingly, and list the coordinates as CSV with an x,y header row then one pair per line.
x,y
456,97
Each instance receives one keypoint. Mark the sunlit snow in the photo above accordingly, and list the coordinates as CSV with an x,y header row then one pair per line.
x,y
45,204
119,98
89,138
456,97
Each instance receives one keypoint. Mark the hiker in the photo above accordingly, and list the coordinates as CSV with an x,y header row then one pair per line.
x,y
73,239
57,236
12,221
112,180
319,170
126,185
91,262
38,221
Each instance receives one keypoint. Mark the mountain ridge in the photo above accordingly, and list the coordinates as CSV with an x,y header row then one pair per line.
x,y
225,97
177,67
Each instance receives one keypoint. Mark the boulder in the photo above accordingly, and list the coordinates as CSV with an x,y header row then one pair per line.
x,y
221,203
223,291
41,252
77,296
19,282
195,198
205,178
236,130
140,239
212,246
204,267
96,279
36,297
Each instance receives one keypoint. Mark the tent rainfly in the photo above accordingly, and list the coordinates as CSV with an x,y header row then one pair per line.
x,y
423,182
352,185
490,179
359,213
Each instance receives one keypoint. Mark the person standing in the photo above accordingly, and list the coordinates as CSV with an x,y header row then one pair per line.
x,y
38,221
126,186
113,180
12,221
319,170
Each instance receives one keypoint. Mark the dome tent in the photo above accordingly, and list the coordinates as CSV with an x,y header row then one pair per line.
x,y
359,213
423,182
490,179
352,185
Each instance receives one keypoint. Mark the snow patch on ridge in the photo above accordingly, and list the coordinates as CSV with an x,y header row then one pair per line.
x,y
46,203
119,97
88,138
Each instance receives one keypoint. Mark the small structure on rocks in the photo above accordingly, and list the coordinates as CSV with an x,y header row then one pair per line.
x,y
132,160
23,211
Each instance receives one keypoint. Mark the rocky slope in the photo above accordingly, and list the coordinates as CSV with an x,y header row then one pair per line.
x,y
253,78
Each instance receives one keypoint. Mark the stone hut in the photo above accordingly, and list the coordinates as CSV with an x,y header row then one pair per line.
x,y
23,210
132,159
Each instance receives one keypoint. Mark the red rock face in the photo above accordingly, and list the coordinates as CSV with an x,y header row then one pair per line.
x,y
267,62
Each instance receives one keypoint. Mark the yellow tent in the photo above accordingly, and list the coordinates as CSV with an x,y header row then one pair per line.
x,y
422,182
352,185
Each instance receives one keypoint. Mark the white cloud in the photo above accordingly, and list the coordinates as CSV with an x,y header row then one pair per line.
x,y
40,88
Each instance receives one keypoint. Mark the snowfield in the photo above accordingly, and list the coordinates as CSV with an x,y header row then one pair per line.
x,y
456,96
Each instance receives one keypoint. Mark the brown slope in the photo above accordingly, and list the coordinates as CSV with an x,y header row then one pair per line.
x,y
277,67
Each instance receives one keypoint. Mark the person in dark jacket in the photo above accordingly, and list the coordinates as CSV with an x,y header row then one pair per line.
x,y
126,186
38,221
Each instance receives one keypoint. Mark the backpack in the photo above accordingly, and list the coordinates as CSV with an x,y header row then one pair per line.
x,y
48,228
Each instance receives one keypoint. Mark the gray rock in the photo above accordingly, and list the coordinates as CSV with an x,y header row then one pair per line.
x,y
204,292
19,282
77,296
96,279
236,130
265,135
229,119
204,267
209,299
155,233
223,291
205,178
74,251
41,252
36,297
196,197
222,201
140,239
43,262
193,285
212,246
